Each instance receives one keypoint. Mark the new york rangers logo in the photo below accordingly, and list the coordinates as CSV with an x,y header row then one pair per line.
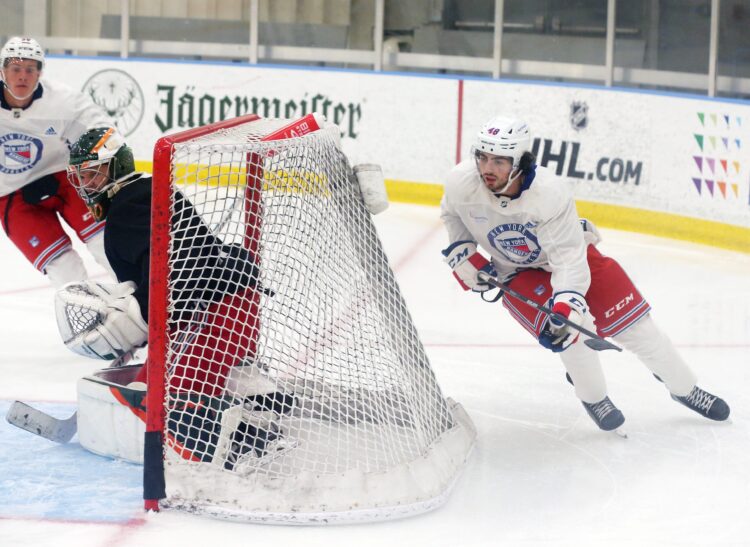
x,y
515,242
19,153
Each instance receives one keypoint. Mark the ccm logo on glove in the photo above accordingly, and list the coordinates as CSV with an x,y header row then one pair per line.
x,y
466,262
556,335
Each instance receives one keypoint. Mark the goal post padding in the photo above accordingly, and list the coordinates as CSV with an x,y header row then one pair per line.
x,y
293,386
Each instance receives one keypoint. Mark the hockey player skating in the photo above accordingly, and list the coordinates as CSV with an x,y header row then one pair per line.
x,y
102,171
500,201
38,121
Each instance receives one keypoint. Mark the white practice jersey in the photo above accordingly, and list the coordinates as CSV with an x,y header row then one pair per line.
x,y
36,141
538,229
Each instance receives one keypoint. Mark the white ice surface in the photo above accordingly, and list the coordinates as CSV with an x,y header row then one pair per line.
x,y
541,474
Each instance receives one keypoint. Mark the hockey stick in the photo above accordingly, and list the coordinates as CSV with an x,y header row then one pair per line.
x,y
594,341
59,430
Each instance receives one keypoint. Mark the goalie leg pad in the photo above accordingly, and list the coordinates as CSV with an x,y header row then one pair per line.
x,y
107,425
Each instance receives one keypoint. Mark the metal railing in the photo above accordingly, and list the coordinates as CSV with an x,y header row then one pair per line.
x,y
381,58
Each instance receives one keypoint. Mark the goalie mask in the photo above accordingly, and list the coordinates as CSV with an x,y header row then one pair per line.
x,y
100,165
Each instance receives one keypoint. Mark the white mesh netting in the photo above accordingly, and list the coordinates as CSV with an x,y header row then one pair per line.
x,y
297,387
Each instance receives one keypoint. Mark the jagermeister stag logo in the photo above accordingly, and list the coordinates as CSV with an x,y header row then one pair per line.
x,y
119,95
189,107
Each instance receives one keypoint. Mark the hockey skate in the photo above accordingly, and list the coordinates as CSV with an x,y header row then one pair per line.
x,y
702,402
256,439
705,404
605,414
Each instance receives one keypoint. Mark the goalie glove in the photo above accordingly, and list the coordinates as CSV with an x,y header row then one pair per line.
x,y
97,320
556,335
466,262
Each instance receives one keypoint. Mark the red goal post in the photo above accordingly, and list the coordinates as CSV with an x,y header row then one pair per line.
x,y
159,269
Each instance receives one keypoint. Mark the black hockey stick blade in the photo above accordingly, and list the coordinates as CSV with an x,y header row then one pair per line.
x,y
594,341
59,430
600,344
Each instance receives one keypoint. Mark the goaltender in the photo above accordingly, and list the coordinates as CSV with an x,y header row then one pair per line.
x,y
109,321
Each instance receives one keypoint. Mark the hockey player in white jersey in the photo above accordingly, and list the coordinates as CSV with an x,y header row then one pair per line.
x,y
39,119
502,203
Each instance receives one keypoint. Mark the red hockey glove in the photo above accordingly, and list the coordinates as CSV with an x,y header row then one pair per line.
x,y
556,335
466,262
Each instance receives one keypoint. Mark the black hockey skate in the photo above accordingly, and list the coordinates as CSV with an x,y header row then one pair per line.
x,y
705,404
253,439
605,414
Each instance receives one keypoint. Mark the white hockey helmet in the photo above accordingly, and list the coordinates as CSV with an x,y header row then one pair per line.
x,y
505,137
22,48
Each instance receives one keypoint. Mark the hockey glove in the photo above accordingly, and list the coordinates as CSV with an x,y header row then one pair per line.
x,y
556,335
99,320
466,262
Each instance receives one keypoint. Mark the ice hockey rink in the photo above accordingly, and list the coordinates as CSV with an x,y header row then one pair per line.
x,y
540,474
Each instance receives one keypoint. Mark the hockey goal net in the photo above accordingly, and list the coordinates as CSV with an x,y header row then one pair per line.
x,y
287,382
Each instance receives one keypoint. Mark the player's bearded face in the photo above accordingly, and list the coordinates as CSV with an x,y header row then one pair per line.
x,y
494,170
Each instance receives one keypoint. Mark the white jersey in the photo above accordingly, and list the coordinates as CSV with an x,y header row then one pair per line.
x,y
538,229
35,141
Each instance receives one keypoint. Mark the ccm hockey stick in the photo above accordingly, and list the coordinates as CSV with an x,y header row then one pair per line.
x,y
59,430
594,341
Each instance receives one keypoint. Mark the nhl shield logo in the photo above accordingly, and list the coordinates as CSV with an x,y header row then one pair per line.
x,y
579,115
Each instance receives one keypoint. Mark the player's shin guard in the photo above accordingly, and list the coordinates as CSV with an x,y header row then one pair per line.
x,y
66,268
655,350
585,370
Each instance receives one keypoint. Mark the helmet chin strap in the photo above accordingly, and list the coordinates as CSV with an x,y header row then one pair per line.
x,y
511,179
16,97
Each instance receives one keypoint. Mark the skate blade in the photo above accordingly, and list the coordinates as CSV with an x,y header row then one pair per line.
x,y
620,432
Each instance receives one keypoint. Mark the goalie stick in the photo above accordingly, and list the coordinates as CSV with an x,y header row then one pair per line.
x,y
59,430
594,341
38,422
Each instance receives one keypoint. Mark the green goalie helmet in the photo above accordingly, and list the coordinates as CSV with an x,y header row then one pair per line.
x,y
100,165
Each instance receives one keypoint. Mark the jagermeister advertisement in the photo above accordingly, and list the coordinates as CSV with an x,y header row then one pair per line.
x,y
377,114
